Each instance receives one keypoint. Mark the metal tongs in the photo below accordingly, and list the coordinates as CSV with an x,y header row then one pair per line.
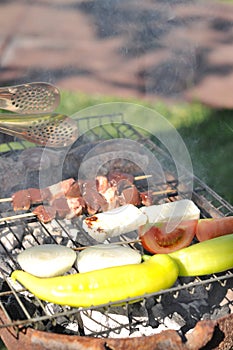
x,y
37,123
30,98
51,130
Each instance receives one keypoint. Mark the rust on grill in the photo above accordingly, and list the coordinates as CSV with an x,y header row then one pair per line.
x,y
196,313
207,334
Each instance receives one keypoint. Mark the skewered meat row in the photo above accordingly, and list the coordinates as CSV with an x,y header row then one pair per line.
x,y
23,199
70,198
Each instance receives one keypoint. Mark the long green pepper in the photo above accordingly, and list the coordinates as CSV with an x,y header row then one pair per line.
x,y
103,286
204,258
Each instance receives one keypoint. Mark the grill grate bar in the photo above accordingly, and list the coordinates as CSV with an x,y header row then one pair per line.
x,y
174,292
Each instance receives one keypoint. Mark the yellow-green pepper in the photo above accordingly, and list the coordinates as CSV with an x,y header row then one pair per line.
x,y
211,256
102,286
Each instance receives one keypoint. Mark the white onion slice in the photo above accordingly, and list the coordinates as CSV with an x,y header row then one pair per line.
x,y
102,256
47,260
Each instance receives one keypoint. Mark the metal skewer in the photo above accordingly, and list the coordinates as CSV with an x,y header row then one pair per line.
x,y
30,98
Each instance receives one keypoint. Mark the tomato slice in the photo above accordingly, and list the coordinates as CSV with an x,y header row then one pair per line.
x,y
211,228
155,239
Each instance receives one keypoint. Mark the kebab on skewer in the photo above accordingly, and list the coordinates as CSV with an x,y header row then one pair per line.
x,y
70,198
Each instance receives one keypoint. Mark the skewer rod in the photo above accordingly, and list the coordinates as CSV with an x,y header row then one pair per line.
x,y
2,200
121,242
142,177
15,217
156,193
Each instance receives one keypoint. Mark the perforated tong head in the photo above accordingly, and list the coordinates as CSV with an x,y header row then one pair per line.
x,y
30,98
49,130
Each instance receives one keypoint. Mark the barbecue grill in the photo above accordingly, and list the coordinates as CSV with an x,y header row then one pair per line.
x,y
196,313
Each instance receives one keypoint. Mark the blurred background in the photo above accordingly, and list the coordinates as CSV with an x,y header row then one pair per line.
x,y
173,56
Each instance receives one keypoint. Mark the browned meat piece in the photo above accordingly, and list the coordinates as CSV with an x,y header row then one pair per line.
x,y
146,198
58,190
77,206
95,202
111,197
46,194
67,208
123,184
74,190
66,184
102,184
61,207
115,177
36,195
87,185
21,200
130,195
45,213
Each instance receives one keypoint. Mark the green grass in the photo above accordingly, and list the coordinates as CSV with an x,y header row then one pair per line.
x,y
207,133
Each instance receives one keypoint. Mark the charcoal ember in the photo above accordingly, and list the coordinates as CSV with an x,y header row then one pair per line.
x,y
149,304
114,325
218,312
217,292
35,234
4,288
12,173
37,158
11,238
15,310
32,237
75,157
63,324
188,302
69,230
185,295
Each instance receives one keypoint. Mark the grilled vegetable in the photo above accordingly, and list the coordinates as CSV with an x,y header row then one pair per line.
x,y
47,260
114,222
170,226
210,228
102,286
156,239
212,256
102,256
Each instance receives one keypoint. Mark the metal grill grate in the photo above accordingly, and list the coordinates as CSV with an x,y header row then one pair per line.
x,y
206,297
